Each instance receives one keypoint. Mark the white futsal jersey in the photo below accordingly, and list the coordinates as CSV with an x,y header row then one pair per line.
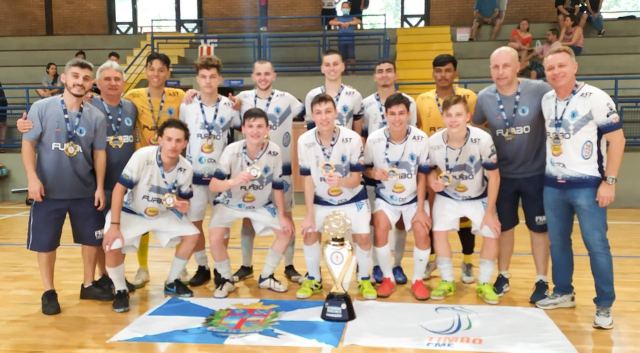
x,y
374,114
580,158
348,104
209,134
404,161
465,165
148,183
281,107
257,192
344,157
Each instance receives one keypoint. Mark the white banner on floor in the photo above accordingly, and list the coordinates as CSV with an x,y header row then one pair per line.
x,y
475,328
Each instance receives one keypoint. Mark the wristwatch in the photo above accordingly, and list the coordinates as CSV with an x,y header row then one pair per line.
x,y
611,180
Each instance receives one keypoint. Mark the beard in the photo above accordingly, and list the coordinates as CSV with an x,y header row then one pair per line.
x,y
68,88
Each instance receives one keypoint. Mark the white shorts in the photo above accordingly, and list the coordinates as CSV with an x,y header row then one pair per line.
x,y
167,228
394,212
264,219
359,213
447,213
198,203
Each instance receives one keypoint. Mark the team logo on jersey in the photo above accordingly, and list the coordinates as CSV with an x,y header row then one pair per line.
x,y
345,108
151,211
248,198
398,188
278,110
171,111
523,111
128,121
286,139
587,150
81,131
574,114
334,191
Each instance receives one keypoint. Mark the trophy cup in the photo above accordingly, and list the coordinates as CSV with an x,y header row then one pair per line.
x,y
338,256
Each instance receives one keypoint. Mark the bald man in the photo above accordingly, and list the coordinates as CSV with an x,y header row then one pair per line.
x,y
511,109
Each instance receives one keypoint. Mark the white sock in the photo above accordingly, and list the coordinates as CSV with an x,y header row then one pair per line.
x,y
247,236
312,258
201,258
117,277
363,258
420,260
486,270
401,242
506,274
383,254
289,252
177,265
542,277
224,268
270,263
446,268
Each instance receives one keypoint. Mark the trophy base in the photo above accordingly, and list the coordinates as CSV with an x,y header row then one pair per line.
x,y
338,307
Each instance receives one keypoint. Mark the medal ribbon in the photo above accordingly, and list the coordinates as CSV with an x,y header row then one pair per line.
x,y
326,151
115,126
71,129
386,148
248,159
266,108
171,187
449,169
435,95
558,119
154,118
207,126
508,123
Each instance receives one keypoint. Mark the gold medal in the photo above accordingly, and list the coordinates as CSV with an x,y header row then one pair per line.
x,y
461,188
393,174
445,178
335,191
509,134
207,145
248,198
154,140
327,168
398,188
116,141
556,145
169,200
254,170
71,149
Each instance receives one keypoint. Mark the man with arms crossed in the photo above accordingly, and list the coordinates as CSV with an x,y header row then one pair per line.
x,y
68,138
580,179
511,109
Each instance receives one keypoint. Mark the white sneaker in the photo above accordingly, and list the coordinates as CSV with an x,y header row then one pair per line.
x,y
272,283
467,273
555,301
141,278
223,288
603,319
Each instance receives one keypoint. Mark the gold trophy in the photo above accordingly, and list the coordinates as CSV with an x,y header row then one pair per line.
x,y
338,256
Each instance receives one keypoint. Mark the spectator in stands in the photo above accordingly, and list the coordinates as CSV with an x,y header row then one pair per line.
x,y
571,34
486,12
114,56
521,38
534,68
357,6
50,79
346,24
566,8
80,54
3,118
579,9
502,4
328,12
595,17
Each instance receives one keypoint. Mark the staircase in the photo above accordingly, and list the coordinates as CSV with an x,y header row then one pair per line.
x,y
173,47
416,48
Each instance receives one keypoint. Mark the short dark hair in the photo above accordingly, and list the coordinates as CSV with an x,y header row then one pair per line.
x,y
208,63
114,53
453,100
385,61
332,52
77,62
555,32
397,99
80,52
163,58
174,124
255,114
322,98
444,59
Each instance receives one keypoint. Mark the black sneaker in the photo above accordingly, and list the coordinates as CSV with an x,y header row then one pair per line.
x,y
95,292
105,282
50,305
540,291
121,301
177,289
217,277
501,285
292,274
243,273
202,276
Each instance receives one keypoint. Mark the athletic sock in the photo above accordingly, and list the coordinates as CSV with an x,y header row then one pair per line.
x,y
270,263
177,266
486,270
383,254
117,277
143,251
247,236
420,258
312,258
363,258
446,268
201,258
399,246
